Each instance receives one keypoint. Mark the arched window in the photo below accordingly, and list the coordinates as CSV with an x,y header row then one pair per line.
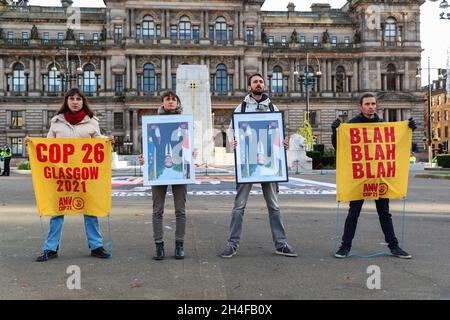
x,y
277,80
221,29
340,78
148,27
185,28
89,81
54,80
18,78
149,78
221,79
391,77
390,30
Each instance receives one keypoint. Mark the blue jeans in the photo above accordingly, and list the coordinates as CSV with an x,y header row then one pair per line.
x,y
275,217
91,226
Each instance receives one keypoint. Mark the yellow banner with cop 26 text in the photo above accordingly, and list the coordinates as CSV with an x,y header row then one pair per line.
x,y
71,176
372,160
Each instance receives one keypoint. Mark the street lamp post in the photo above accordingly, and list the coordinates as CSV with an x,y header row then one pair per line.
x,y
304,79
68,77
430,123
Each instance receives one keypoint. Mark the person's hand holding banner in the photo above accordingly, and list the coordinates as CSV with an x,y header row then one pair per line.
x,y
71,176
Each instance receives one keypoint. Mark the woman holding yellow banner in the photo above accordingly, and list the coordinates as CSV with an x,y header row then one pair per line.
x,y
368,108
74,120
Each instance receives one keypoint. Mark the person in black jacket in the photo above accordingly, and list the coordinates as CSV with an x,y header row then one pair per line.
x,y
368,108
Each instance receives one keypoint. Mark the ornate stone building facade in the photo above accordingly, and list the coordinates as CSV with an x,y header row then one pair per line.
x,y
124,55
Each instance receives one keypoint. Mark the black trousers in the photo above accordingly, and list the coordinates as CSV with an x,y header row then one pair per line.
x,y
6,168
385,221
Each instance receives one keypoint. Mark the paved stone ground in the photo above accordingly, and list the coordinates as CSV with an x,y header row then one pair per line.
x,y
254,273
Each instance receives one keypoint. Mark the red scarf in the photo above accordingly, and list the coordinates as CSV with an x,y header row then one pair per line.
x,y
74,118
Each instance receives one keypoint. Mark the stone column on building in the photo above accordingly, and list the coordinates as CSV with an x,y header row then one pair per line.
x,y
355,77
128,72
291,76
236,74
2,76
378,83
38,75
202,25
169,72
399,114
406,76
136,142
323,79
163,73
265,73
397,82
386,115
103,71
236,26
133,72
167,24
206,25
32,78
242,26
127,123
328,75
110,120
366,73
163,24
108,73
242,73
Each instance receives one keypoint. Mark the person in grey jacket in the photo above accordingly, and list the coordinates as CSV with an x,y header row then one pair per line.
x,y
170,105
257,101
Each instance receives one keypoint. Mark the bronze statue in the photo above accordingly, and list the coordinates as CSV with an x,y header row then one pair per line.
x,y
34,33
294,37
70,35
326,37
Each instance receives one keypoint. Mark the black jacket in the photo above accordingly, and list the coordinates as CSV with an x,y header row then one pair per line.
x,y
357,119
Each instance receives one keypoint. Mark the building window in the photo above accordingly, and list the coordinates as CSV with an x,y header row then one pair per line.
x,y
270,41
149,78
46,37
173,33
211,33
81,37
392,114
390,30
117,33
221,79
302,41
347,41
391,78
54,81
18,78
334,41
89,81
158,32
230,33
25,37
196,33
230,83
17,146
60,36
250,35
277,80
174,81
118,83
221,29
16,119
313,118
148,28
185,28
95,37
316,41
50,115
211,84
283,41
340,78
10,36
118,120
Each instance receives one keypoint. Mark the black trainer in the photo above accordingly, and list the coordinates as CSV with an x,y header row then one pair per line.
x,y
159,251
342,252
100,253
179,251
400,253
47,255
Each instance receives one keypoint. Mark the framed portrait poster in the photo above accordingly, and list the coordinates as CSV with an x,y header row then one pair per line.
x,y
167,142
260,155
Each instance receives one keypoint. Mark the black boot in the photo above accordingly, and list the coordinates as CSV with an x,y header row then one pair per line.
x,y
159,252
179,251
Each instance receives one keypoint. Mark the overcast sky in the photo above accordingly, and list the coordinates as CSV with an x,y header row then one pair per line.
x,y
435,33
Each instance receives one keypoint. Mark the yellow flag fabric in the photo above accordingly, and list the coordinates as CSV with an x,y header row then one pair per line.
x,y
71,176
372,160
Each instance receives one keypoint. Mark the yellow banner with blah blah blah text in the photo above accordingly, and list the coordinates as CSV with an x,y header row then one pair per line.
x,y
71,176
372,160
